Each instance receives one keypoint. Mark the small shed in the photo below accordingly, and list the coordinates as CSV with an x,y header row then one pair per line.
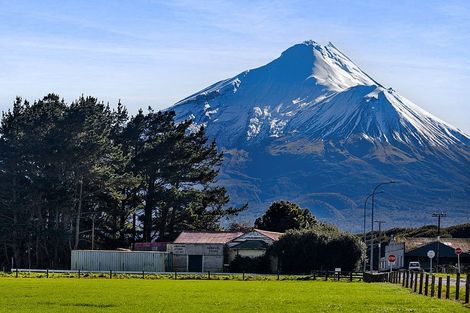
x,y
115,260
200,251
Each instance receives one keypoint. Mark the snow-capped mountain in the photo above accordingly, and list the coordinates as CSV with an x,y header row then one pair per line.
x,y
312,127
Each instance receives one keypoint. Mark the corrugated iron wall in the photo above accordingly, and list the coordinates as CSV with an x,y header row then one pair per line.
x,y
130,261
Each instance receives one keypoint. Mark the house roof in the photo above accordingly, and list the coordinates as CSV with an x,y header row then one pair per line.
x,y
192,237
270,234
415,243
250,245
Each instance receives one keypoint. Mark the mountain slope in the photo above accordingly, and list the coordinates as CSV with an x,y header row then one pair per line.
x,y
312,127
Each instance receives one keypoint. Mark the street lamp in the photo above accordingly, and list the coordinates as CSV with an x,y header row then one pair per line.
x,y
365,240
372,224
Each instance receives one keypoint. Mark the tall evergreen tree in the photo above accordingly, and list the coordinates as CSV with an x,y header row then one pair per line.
x,y
86,176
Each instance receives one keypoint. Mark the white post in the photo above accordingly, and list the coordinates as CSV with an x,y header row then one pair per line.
x,y
390,266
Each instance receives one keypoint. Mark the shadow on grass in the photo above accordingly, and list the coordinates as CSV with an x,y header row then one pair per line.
x,y
93,305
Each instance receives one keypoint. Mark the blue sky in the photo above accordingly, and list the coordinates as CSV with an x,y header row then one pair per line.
x,y
157,52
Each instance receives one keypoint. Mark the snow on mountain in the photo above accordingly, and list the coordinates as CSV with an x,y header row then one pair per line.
x,y
315,89
315,103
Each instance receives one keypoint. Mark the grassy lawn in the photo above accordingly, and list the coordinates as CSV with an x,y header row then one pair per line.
x,y
134,295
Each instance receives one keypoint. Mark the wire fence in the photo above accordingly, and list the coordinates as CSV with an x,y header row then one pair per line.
x,y
314,275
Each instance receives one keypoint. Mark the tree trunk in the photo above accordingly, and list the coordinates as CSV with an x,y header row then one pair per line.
x,y
148,210
93,231
79,212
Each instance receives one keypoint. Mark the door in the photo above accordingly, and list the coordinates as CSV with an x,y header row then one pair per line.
x,y
194,263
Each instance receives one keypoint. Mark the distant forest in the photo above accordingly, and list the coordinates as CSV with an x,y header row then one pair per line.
x,y
83,176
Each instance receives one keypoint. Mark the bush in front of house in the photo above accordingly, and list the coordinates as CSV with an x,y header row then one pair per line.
x,y
322,247
259,264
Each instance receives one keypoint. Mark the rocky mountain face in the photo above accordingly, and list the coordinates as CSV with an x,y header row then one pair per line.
x,y
313,128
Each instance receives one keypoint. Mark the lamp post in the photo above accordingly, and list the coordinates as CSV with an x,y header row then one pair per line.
x,y
372,224
365,240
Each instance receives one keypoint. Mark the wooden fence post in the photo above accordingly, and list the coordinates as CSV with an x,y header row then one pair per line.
x,y
243,275
433,283
426,283
350,276
110,274
421,283
314,275
277,275
439,288
17,273
78,273
403,279
176,276
143,274
209,275
448,287
326,276
416,282
47,273
457,287
411,279
467,289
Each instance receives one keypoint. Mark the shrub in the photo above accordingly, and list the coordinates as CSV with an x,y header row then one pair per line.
x,y
259,264
322,247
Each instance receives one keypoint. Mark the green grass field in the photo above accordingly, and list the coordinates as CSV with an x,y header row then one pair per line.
x,y
134,295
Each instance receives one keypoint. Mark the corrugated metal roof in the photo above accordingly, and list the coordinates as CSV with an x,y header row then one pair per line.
x,y
414,243
270,234
251,245
206,237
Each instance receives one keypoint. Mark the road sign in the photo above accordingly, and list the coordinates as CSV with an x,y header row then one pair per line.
x,y
458,251
392,258
431,254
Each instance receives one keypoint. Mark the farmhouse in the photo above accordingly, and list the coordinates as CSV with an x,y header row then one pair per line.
x,y
415,249
192,251
252,244
213,251
200,251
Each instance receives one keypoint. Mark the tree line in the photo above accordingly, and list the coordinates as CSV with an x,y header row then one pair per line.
x,y
81,175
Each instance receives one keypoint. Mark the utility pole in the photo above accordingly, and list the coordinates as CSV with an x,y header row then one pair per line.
x,y
365,236
380,241
438,215
372,224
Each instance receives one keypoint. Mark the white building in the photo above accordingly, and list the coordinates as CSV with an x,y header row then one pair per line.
x,y
213,251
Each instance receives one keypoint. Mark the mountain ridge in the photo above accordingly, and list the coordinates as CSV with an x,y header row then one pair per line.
x,y
313,105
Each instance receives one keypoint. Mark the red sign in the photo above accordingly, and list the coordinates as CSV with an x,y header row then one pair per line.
x,y
392,258
458,251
